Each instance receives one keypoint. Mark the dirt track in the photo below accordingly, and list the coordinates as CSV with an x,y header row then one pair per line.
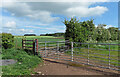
x,y
60,67
56,68
50,68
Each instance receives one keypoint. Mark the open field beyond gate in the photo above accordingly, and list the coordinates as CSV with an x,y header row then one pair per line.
x,y
101,55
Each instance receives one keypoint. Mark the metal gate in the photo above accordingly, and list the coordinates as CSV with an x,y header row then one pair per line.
x,y
84,53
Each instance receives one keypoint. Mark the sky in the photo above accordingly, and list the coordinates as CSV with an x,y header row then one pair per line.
x,y
41,17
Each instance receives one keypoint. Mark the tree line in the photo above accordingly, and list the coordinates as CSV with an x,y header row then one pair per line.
x,y
51,34
86,31
29,34
54,34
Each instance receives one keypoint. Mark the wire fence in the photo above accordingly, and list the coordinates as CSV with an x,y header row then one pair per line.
x,y
93,54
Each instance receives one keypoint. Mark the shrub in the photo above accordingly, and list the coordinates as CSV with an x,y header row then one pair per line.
x,y
7,40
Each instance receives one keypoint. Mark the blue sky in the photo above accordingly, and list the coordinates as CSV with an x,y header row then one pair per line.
x,y
19,18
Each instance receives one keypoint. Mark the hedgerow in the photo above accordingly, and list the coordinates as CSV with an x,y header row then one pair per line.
x,y
7,40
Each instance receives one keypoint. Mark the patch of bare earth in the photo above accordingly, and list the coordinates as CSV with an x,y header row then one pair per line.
x,y
56,68
60,67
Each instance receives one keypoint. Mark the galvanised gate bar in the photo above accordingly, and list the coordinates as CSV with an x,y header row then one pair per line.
x,y
92,54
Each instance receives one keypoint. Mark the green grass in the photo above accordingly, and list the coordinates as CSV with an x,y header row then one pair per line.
x,y
35,37
0,56
92,56
83,52
25,62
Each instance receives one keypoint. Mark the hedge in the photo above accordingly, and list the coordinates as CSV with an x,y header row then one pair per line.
x,y
7,40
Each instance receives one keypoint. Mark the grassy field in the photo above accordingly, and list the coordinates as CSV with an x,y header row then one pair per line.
x,y
18,39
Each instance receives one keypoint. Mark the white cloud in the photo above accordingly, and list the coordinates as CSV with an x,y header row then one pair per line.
x,y
23,30
86,12
0,3
47,29
54,30
44,16
60,0
33,27
47,12
0,21
11,24
43,11
107,26
26,30
96,26
42,24
18,31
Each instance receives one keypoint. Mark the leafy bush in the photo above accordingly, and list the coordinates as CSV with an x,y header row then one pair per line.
x,y
7,40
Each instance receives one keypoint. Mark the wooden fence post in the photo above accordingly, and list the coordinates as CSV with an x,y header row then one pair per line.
x,y
23,44
34,47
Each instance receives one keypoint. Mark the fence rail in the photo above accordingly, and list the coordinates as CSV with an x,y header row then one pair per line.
x,y
30,44
107,57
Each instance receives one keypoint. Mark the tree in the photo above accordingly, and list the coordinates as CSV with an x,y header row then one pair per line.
x,y
102,34
89,25
86,31
76,31
114,33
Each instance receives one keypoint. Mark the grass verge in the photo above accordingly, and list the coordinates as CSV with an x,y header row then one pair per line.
x,y
25,62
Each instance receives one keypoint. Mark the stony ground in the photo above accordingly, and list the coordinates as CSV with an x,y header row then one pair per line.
x,y
7,62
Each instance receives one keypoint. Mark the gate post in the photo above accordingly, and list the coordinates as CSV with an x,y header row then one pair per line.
x,y
109,57
45,50
71,51
37,45
23,44
34,47
58,49
88,54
